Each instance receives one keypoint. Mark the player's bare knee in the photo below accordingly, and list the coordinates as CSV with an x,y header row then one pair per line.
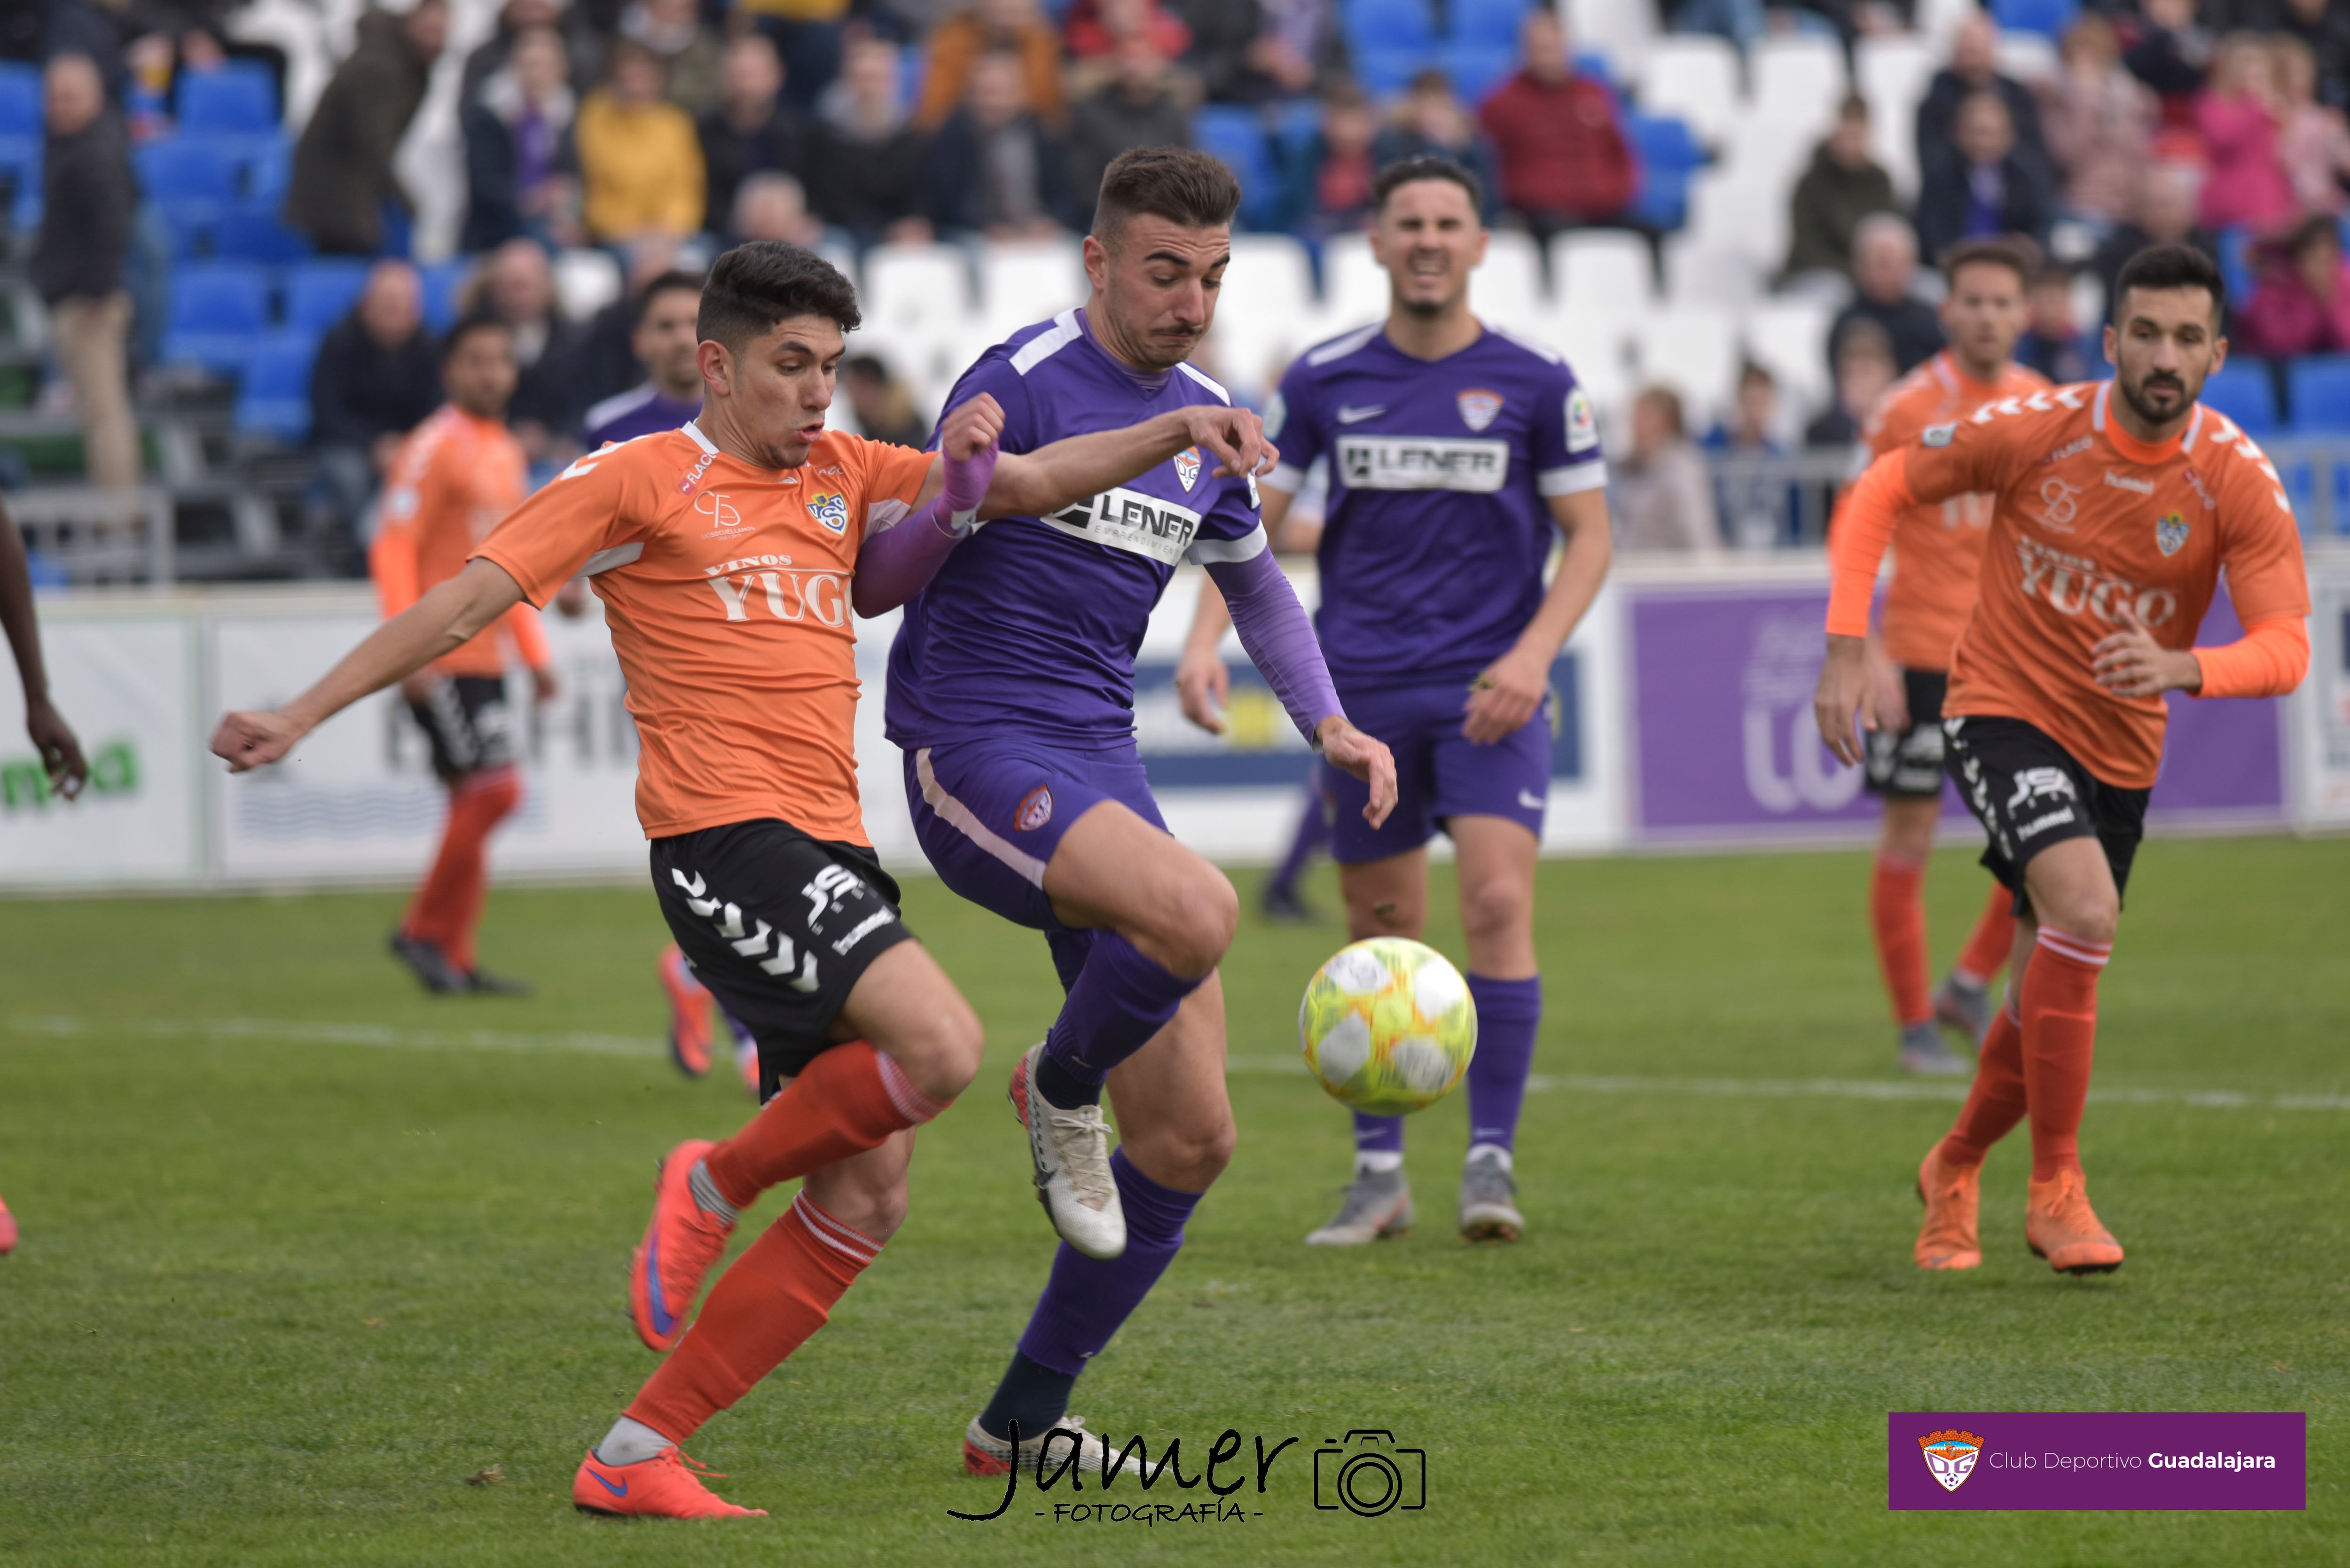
x,y
1495,908
871,1204
2094,917
1196,927
940,1051
1189,1156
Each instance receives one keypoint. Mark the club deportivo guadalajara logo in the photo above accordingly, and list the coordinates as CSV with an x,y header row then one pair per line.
x,y
1187,467
1479,408
1951,1456
1035,809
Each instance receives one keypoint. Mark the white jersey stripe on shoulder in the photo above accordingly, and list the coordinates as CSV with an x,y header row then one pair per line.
x,y
1186,366
1063,331
966,822
1531,346
619,403
2194,428
2098,408
618,556
693,429
1216,552
1339,348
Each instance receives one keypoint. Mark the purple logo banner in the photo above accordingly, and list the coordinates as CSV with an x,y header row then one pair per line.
x,y
2095,1460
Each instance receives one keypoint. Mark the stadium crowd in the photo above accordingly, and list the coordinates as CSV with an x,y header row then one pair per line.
x,y
186,226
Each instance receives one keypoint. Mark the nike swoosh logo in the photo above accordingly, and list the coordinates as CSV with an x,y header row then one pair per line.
x,y
1531,801
1348,416
663,1319
619,1490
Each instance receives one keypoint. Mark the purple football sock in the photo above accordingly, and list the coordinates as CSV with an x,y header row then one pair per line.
x,y
1313,832
1378,1134
1088,1299
1119,1000
1509,1015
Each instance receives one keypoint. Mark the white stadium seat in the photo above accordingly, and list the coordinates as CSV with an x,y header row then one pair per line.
x,y
1731,213
1597,349
1354,289
2028,57
1602,270
1798,81
1266,315
1938,20
585,282
1789,338
1623,32
1507,290
1694,76
1693,349
918,317
1029,282
1894,73
1700,272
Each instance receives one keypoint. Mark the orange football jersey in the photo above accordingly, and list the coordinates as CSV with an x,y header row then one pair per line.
x,y
1937,546
453,480
726,589
2087,520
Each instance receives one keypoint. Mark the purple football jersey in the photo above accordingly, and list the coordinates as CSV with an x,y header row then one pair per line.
x,y
1437,526
1031,626
641,411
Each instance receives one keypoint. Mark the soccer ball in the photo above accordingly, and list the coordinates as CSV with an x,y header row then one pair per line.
x,y
1387,1026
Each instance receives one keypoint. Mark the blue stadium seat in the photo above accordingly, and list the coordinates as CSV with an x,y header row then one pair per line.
x,y
20,100
443,281
182,169
2318,388
1293,125
238,99
322,292
255,233
275,399
219,311
2247,394
1668,155
2049,17
1384,73
1476,70
1237,136
1385,27
2236,264
268,167
20,159
1494,24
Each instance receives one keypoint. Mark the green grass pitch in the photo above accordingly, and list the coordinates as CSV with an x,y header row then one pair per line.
x,y
305,1249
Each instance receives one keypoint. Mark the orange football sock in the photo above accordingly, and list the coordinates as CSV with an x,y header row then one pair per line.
x,y
763,1308
1897,917
447,909
848,1100
2060,1035
1994,937
1996,1102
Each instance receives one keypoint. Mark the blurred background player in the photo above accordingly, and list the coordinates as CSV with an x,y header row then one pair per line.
x,y
665,345
1011,695
2115,507
1457,454
53,739
456,476
1937,558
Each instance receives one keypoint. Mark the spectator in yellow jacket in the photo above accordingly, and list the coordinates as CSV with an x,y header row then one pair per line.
x,y
640,168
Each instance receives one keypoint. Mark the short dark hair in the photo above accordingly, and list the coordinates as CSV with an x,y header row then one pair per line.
x,y
2017,252
2171,266
1176,183
757,285
677,280
1426,166
467,325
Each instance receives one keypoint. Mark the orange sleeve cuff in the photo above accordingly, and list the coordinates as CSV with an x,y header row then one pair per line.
x,y
530,638
2268,661
1864,530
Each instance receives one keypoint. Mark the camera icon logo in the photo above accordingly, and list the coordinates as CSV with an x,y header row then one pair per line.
x,y
1367,1475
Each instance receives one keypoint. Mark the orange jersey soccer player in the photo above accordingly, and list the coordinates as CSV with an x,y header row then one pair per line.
x,y
455,478
729,555
1937,557
2117,506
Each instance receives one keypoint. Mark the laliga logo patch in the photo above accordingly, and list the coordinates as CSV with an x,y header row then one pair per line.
x,y
1479,408
1187,467
1035,809
1951,1456
829,508
2170,534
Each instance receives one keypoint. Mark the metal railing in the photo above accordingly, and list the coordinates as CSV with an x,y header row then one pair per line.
x,y
100,536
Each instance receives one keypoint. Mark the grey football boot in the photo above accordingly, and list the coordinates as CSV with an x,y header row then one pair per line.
x,y
1378,1206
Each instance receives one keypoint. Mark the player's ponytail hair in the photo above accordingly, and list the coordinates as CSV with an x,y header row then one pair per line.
x,y
1177,183
755,285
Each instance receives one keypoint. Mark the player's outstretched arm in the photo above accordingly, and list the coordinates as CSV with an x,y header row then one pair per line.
x,y
897,563
443,620
51,736
1864,529
1030,485
1508,690
1201,683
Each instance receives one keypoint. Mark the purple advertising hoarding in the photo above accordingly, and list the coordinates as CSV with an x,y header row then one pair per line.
x,y
2095,1460
1725,749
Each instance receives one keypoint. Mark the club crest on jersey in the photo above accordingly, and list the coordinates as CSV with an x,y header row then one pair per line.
x,y
1951,1456
1035,809
2170,534
1187,467
829,508
1479,408
1939,435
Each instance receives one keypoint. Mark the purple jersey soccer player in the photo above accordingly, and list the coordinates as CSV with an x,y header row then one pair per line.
x,y
1012,693
1456,454
665,343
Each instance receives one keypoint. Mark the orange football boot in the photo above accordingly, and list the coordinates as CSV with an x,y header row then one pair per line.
x,y
667,1486
1947,1238
690,1033
8,1231
2060,1226
680,1243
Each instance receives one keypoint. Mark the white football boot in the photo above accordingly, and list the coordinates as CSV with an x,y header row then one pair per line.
x,y
1071,1153
986,1456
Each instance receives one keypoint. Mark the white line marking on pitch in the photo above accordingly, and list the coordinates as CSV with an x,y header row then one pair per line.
x,y
369,1034
1854,1089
